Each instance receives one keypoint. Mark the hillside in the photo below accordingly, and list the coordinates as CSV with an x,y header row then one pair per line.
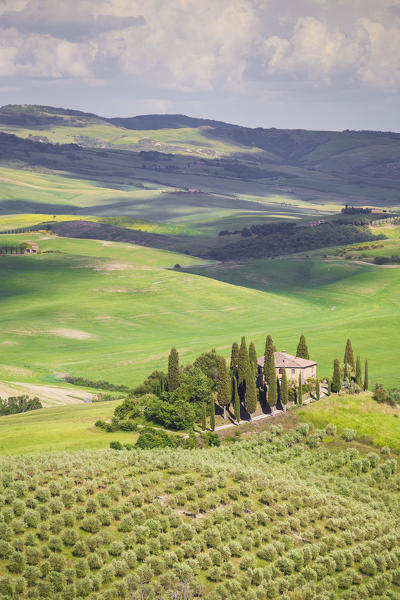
x,y
273,171
269,517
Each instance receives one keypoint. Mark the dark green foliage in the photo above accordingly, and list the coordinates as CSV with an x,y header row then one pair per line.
x,y
243,365
317,390
283,390
173,413
129,409
211,439
253,359
251,392
294,239
348,355
328,387
223,388
157,438
173,370
300,391
116,445
156,383
235,399
100,385
19,404
208,364
270,371
302,349
234,359
358,371
203,416
366,382
212,414
336,379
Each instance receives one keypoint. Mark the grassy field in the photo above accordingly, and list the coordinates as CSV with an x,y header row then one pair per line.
x,y
59,429
374,423
111,311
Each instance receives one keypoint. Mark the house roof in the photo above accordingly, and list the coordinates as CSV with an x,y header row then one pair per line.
x,y
283,359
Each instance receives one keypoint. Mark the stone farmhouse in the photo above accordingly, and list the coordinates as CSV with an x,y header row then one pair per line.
x,y
31,248
293,365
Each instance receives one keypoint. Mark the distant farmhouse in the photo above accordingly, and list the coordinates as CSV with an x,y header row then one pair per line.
x,y
31,248
293,365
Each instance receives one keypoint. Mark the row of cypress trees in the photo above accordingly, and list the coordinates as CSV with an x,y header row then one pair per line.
x,y
351,368
239,385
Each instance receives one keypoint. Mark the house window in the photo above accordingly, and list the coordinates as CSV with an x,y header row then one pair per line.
x,y
293,371
280,371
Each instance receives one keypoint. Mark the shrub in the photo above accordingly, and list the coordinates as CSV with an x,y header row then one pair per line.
x,y
348,434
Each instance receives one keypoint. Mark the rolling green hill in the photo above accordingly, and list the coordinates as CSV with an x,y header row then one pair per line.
x,y
106,310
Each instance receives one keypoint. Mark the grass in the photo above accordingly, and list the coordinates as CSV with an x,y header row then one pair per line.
x,y
375,423
186,141
59,428
111,311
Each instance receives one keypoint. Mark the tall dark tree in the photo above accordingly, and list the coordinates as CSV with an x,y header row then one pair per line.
x,y
223,391
253,358
243,369
173,370
346,372
212,414
235,399
358,371
270,371
284,392
366,383
302,349
234,359
336,379
251,392
300,390
348,355
203,416
317,390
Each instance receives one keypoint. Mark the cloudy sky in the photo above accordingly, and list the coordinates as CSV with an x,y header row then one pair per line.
x,y
331,64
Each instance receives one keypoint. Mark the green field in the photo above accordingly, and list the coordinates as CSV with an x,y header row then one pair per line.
x,y
111,311
59,429
374,423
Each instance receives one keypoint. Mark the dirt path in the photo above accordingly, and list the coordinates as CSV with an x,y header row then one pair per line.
x,y
48,395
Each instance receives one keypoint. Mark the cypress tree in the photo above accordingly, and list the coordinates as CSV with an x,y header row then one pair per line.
x,y
336,379
173,370
302,349
212,414
365,386
358,371
346,372
235,399
243,369
203,416
300,393
253,359
283,392
223,392
270,371
234,359
348,355
317,390
251,392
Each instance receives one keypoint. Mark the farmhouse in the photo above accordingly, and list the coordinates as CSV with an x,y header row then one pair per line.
x,y
31,248
293,365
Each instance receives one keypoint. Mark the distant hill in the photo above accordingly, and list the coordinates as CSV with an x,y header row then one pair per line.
x,y
287,173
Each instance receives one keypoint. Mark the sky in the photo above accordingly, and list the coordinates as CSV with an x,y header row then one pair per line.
x,y
313,64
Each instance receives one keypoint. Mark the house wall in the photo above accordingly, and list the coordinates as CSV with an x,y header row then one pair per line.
x,y
294,373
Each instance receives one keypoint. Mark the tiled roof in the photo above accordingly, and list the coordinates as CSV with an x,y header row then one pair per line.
x,y
283,359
